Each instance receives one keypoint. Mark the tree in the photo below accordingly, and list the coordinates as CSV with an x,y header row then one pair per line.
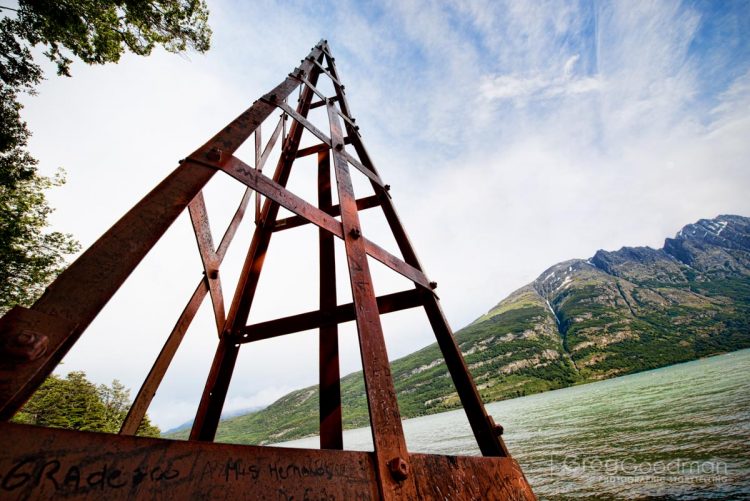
x,y
76,403
96,32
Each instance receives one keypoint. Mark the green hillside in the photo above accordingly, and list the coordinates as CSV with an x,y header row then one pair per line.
x,y
581,320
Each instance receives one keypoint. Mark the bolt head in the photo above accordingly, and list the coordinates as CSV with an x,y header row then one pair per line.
x,y
433,285
399,469
214,155
214,274
355,233
28,345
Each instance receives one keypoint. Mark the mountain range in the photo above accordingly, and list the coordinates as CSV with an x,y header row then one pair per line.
x,y
582,320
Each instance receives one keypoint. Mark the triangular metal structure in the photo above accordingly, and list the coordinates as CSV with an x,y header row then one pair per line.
x,y
39,462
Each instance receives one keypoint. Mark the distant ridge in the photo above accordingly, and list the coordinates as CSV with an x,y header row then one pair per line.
x,y
224,415
616,313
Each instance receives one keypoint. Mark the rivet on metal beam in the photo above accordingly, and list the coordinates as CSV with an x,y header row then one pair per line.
x,y
399,469
28,345
213,155
387,187
433,285
214,274
339,146
355,233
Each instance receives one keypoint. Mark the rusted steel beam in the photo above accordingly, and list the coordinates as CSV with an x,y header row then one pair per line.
x,y
45,463
488,438
331,429
312,150
82,290
391,455
318,104
329,75
324,98
277,193
489,442
42,463
148,389
220,374
258,152
387,303
320,135
296,221
469,477
243,172
202,229
155,376
397,264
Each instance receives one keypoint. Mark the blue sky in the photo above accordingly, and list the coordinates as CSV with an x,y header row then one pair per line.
x,y
514,134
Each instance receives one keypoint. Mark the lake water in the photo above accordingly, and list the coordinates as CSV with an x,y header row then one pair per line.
x,y
680,432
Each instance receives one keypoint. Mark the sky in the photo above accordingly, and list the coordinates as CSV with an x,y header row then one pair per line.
x,y
514,135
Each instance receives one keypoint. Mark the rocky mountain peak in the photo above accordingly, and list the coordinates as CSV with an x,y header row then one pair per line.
x,y
728,231
560,276
713,244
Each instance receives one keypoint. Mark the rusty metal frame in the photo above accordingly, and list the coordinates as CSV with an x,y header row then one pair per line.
x,y
45,462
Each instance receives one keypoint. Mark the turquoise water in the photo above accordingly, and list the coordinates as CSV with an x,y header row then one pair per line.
x,y
680,432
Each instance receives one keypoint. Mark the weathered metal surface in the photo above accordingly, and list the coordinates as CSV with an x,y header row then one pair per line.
x,y
202,229
280,195
385,419
26,336
468,477
44,463
320,135
331,429
388,303
296,221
